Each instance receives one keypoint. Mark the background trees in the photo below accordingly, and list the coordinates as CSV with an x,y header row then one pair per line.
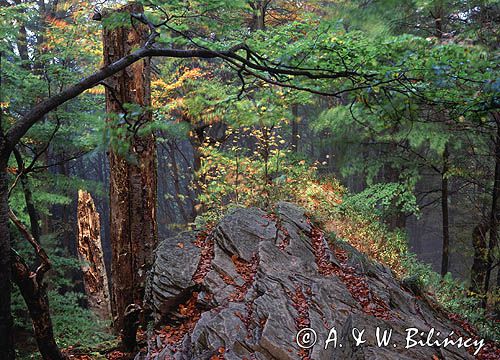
x,y
400,102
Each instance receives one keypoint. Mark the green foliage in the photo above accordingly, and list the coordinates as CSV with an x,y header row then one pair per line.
x,y
381,200
73,324
258,176
454,296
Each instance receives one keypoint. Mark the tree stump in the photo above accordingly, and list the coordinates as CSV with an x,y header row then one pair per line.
x,y
90,253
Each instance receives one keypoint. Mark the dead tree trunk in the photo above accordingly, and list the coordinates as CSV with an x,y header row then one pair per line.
x,y
90,253
133,229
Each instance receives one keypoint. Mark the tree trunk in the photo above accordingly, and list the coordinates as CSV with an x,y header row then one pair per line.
x,y
494,206
66,217
133,229
6,335
480,263
35,295
28,197
90,253
445,214
34,292
397,218
259,14
177,186
295,128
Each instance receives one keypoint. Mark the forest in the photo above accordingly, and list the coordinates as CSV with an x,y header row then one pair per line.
x,y
191,179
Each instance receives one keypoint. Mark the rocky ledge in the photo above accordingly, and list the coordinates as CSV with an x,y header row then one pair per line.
x,y
246,287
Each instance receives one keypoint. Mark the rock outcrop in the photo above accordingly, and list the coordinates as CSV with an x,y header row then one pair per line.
x,y
244,289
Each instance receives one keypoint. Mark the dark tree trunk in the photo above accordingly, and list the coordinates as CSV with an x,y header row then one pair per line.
x,y
494,206
295,128
480,262
445,213
259,8
35,295
133,230
6,335
28,198
396,219
66,217
177,186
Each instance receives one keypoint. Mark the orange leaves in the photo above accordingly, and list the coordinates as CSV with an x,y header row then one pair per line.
x,y
117,355
186,74
189,309
356,284
57,23
96,90
173,334
219,355
490,350
325,266
247,271
301,305
368,238
206,243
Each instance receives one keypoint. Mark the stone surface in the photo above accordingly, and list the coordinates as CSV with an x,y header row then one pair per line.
x,y
269,276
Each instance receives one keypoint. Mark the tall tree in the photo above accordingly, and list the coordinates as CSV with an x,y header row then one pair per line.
x,y
132,168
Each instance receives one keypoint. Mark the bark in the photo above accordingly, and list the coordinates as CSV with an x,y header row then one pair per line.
x,y
35,295
133,229
31,283
90,253
259,8
131,323
480,262
33,291
6,334
445,213
494,206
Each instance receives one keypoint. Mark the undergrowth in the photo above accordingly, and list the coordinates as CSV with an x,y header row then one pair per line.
x,y
74,324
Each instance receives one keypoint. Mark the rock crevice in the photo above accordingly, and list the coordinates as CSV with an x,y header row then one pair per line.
x,y
250,284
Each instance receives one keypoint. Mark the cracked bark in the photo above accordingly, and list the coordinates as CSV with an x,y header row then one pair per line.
x,y
133,173
90,253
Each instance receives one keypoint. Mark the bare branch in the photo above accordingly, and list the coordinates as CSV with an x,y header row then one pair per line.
x,y
40,252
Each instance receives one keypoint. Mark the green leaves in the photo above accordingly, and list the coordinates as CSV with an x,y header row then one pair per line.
x,y
383,199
